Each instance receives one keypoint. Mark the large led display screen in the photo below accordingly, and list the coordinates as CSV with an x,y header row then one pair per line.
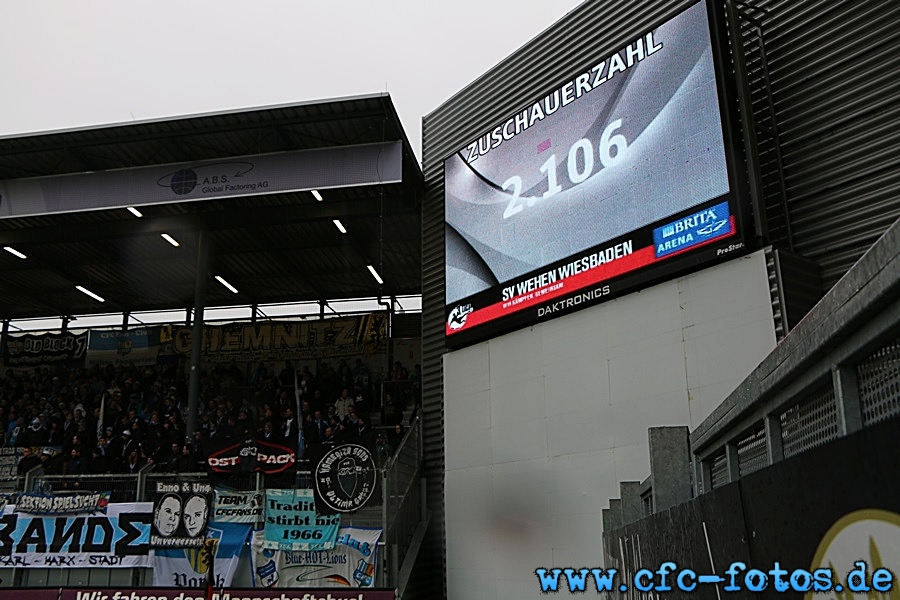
x,y
589,190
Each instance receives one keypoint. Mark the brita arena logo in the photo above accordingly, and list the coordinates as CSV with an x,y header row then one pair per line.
x,y
693,230
213,178
345,478
458,316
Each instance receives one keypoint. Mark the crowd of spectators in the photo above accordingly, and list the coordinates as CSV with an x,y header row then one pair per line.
x,y
117,419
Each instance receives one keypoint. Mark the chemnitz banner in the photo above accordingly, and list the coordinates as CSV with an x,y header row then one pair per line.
x,y
180,514
238,507
118,539
350,564
31,349
344,336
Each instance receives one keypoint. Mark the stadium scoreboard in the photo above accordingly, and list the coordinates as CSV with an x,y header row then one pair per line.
x,y
622,174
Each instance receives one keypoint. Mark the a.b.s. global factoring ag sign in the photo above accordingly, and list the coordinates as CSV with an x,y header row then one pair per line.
x,y
604,183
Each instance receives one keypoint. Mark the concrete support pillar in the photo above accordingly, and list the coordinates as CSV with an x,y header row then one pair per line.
x,y
846,396
732,462
774,441
4,333
197,335
670,466
630,492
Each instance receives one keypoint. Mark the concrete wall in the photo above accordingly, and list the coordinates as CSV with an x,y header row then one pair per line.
x,y
541,424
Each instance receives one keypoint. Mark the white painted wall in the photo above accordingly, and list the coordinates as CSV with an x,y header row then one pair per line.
x,y
542,424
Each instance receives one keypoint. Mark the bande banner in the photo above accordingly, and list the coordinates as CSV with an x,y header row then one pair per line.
x,y
350,564
238,507
118,539
345,478
180,514
189,567
343,336
63,504
292,522
29,349
249,455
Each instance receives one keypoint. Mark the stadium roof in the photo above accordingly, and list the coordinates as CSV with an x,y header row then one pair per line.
x,y
279,247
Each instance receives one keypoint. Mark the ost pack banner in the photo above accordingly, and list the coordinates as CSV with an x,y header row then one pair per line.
x,y
249,455
188,567
292,522
350,564
118,539
180,514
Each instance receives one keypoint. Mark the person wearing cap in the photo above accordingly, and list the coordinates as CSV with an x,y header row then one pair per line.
x,y
129,444
49,463
34,435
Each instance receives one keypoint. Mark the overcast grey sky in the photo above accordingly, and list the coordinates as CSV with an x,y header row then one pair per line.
x,y
69,63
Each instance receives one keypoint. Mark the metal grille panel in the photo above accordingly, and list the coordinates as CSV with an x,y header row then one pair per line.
x,y
752,454
879,384
810,423
775,293
719,471
122,488
823,87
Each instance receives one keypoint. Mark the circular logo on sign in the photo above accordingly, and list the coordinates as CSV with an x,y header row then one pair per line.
x,y
184,181
870,535
345,477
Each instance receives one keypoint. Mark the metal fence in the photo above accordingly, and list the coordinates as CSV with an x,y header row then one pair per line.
x,y
403,500
122,488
